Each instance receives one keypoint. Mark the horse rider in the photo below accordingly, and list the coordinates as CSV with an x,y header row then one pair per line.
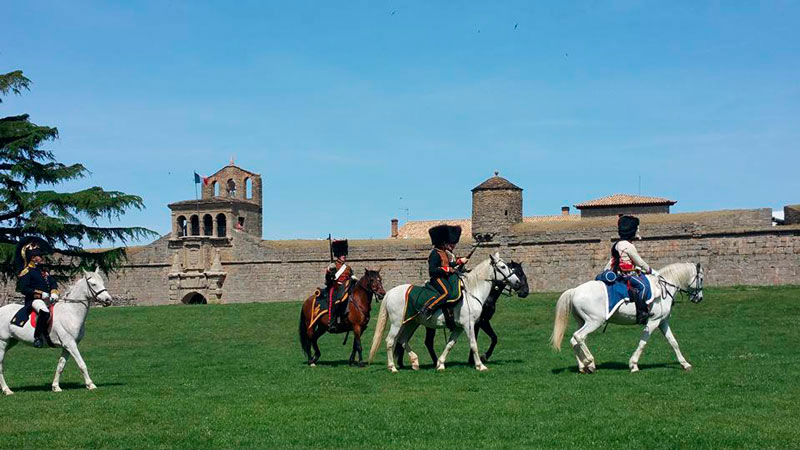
x,y
38,287
443,268
338,277
627,264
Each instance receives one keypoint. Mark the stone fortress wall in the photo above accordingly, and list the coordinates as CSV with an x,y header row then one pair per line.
x,y
736,247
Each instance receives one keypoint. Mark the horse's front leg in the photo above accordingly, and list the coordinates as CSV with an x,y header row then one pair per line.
x,y
62,362
648,330
450,343
3,385
72,347
356,346
665,328
473,346
430,335
487,327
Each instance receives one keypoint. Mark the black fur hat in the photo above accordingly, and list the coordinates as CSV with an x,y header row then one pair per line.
x,y
339,248
440,235
627,226
454,234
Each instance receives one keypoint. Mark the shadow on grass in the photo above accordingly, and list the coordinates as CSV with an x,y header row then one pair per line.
x,y
64,387
618,366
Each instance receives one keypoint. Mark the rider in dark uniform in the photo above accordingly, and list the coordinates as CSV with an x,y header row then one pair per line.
x,y
443,269
337,281
38,287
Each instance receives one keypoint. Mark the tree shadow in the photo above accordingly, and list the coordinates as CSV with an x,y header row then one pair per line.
x,y
71,386
618,366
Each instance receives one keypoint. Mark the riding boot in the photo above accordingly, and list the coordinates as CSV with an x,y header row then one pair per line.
x,y
449,320
642,314
332,324
40,333
426,312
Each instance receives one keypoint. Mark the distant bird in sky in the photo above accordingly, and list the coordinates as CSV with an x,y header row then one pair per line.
x,y
516,25
479,30
566,54
393,12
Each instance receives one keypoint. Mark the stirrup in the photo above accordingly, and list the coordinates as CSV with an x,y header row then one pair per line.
x,y
38,342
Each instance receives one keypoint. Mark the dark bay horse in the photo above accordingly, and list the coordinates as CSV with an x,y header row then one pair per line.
x,y
356,320
498,287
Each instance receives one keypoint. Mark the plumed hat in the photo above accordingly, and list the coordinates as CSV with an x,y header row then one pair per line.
x,y
627,226
27,248
440,235
339,248
454,234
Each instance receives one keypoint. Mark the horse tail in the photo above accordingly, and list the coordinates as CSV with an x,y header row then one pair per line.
x,y
562,318
305,342
376,338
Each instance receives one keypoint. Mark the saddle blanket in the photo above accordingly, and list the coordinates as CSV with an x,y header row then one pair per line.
x,y
617,293
418,296
320,306
25,313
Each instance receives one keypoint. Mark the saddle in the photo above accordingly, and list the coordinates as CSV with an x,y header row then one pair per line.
x,y
321,301
417,296
27,312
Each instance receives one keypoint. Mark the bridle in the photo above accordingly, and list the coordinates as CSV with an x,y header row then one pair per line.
x,y
85,302
691,291
506,279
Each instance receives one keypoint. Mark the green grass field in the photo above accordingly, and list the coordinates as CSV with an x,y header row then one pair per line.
x,y
229,376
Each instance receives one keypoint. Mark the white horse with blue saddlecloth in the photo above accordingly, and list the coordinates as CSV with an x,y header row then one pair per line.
x,y
589,304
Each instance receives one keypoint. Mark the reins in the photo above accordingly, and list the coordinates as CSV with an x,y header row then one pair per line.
x,y
85,302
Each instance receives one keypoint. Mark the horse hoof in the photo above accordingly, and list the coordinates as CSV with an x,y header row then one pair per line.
x,y
484,358
687,367
56,389
312,365
634,368
8,392
482,368
362,364
91,386
393,370
415,366
440,368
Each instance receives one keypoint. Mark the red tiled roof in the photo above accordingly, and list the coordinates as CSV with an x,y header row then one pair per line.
x,y
624,200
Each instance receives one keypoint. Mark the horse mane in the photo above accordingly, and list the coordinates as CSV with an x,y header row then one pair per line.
x,y
678,273
479,270
71,287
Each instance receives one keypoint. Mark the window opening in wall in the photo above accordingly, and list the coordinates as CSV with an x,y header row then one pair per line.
x,y
195,226
506,212
248,188
181,226
208,225
240,224
231,187
215,188
221,225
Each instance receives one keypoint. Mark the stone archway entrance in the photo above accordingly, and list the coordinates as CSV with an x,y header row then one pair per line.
x,y
194,298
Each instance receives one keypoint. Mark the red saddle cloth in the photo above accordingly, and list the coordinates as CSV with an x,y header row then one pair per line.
x,y
34,315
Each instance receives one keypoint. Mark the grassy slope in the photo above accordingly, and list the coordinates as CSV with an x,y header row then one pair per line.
x,y
233,376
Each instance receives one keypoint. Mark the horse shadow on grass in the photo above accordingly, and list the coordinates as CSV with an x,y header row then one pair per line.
x,y
613,365
64,387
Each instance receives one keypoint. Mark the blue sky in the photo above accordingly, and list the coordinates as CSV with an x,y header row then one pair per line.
x,y
354,111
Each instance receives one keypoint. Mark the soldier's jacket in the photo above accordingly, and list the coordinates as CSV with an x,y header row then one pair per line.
x,y
336,268
32,283
441,263
629,259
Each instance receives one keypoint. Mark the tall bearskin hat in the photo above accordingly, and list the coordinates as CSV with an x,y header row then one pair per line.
x,y
27,248
339,248
627,226
454,234
440,235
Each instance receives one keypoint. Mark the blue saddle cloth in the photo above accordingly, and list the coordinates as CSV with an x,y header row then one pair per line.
x,y
618,288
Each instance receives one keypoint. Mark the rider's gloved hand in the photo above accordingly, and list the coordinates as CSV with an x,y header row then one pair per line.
x,y
54,297
45,295
654,272
462,261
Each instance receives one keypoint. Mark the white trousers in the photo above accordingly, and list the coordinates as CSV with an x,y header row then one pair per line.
x,y
39,305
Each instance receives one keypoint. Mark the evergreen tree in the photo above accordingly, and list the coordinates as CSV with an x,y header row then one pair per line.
x,y
64,219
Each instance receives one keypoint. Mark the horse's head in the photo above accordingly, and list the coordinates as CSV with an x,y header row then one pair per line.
x,y
695,288
373,282
502,272
516,267
96,288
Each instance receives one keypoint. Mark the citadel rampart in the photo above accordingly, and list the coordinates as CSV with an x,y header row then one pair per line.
x,y
735,247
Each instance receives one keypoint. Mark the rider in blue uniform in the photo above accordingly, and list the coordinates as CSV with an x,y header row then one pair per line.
x,y
39,288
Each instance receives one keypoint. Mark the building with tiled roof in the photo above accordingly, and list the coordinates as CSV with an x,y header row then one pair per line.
x,y
616,204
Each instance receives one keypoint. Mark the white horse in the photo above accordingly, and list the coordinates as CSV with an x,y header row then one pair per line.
x,y
69,316
589,306
477,287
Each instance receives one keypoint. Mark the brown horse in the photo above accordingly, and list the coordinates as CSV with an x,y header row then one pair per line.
x,y
314,324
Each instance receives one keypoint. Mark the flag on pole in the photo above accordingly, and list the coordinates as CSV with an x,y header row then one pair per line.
x,y
200,179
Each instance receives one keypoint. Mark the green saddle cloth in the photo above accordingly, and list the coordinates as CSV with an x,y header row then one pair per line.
x,y
418,296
